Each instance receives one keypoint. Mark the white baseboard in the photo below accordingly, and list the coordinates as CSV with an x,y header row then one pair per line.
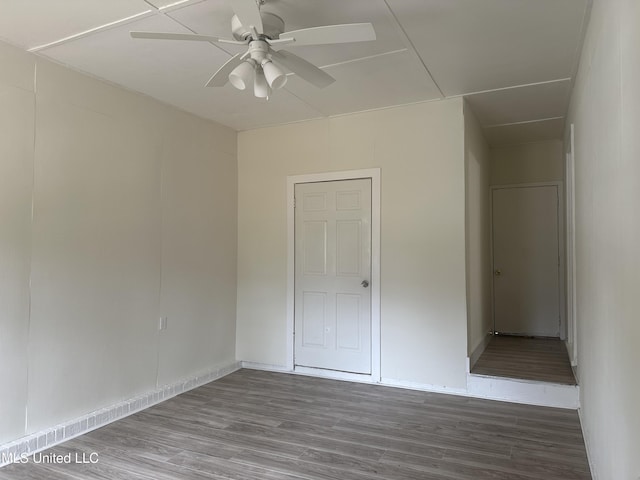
x,y
423,387
57,434
572,359
265,366
587,446
479,350
353,377
310,372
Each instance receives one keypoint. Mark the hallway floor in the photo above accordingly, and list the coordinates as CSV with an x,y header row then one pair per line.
x,y
527,358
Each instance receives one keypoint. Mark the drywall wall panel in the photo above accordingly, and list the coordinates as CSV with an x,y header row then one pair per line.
x,y
527,163
420,150
262,228
17,69
96,248
199,241
16,179
607,186
479,275
126,193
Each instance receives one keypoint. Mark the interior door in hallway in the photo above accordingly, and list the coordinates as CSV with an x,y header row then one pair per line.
x,y
332,274
526,262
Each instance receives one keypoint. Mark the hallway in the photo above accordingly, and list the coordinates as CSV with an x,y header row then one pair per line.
x,y
526,358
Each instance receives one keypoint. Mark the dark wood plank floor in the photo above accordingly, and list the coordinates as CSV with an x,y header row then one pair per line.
x,y
255,425
541,359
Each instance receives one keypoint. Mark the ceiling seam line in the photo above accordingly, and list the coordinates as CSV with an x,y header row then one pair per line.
x,y
86,33
151,4
360,59
523,122
172,7
501,89
424,65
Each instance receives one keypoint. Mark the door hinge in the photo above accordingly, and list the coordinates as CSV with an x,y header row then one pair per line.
x,y
294,202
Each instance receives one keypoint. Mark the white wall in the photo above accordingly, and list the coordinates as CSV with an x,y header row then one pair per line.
x,y
199,239
420,150
134,217
605,111
479,275
16,178
527,163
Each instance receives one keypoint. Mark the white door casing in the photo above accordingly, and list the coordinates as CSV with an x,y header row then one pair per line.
x,y
333,275
572,307
526,260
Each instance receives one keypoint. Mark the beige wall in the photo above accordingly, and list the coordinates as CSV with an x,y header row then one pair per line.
x,y
527,163
134,217
479,277
604,109
420,150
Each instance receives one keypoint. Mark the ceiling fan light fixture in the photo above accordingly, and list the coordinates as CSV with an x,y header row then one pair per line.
x,y
263,34
276,78
261,87
242,75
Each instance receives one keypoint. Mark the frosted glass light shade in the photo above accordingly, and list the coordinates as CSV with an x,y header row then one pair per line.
x,y
241,76
276,78
261,88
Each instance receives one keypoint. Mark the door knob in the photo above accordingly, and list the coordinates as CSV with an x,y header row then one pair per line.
x,y
497,273
364,283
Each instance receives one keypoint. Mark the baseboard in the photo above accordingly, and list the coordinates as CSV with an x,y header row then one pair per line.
x,y
36,442
587,446
265,366
569,346
352,377
422,387
479,350
310,372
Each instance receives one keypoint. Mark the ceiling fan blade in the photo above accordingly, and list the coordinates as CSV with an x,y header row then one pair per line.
x,y
221,77
248,13
352,32
305,70
183,36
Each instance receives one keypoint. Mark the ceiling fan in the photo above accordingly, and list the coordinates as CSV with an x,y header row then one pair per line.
x,y
264,34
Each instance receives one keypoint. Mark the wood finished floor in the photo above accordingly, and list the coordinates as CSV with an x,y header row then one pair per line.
x,y
255,425
541,359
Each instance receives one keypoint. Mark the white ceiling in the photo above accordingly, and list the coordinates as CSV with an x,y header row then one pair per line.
x,y
513,59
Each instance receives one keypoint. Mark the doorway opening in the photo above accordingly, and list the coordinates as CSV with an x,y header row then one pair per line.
x,y
528,286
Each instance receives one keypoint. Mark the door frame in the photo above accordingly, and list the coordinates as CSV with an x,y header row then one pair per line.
x,y
572,307
292,180
561,249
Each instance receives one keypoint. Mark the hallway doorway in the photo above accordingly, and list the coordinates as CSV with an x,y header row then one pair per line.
x,y
526,260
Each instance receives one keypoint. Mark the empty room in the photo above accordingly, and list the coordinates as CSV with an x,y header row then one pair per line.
x,y
320,239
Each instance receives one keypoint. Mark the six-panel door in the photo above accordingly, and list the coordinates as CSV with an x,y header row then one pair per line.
x,y
332,275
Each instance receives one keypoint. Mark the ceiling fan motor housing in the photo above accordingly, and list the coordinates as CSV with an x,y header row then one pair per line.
x,y
259,51
272,25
